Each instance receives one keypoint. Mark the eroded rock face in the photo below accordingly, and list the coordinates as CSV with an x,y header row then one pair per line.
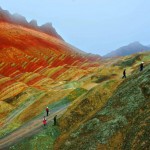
x,y
18,19
49,29
4,15
126,115
33,23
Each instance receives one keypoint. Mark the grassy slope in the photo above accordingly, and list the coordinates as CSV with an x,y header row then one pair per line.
x,y
45,139
42,141
87,105
20,103
122,123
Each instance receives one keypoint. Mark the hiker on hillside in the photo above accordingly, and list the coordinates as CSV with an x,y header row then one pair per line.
x,y
124,74
55,120
141,66
44,121
47,111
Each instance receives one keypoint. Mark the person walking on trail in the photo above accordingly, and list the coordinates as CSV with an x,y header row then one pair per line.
x,y
55,122
124,74
44,121
142,66
47,111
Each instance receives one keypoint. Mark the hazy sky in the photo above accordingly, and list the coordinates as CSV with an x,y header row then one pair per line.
x,y
95,26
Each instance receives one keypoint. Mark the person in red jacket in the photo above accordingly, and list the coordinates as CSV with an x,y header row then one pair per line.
x,y
44,121
47,111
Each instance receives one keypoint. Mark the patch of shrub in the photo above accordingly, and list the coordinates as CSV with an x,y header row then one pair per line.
x,y
129,61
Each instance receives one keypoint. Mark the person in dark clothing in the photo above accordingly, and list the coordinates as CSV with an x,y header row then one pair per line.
x,y
124,74
55,120
47,111
142,66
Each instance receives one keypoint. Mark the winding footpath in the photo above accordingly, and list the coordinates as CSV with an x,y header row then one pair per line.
x,y
29,129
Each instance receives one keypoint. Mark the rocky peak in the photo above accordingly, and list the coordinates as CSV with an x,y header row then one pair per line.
x,y
136,43
33,23
18,19
4,15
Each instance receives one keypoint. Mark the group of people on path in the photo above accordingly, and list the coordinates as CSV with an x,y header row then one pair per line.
x,y
141,69
45,121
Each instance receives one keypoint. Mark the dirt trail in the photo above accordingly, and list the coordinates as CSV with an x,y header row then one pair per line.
x,y
19,110
28,129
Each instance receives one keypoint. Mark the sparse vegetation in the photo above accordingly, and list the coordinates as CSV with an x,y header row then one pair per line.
x,y
43,141
129,61
122,122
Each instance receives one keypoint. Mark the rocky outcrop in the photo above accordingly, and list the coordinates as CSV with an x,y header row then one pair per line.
x,y
33,23
18,19
48,28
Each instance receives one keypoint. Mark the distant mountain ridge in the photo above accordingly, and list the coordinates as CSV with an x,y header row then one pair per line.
x,y
18,19
131,48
